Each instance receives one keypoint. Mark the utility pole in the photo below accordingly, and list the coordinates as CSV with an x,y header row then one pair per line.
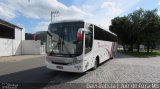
x,y
54,14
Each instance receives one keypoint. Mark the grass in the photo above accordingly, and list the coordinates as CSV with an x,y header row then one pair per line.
x,y
143,54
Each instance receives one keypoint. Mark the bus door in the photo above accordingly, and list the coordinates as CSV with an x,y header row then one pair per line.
x,y
89,39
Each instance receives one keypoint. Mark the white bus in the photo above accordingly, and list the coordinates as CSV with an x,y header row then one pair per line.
x,y
77,46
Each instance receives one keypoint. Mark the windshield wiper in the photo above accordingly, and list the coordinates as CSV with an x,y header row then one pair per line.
x,y
52,52
63,43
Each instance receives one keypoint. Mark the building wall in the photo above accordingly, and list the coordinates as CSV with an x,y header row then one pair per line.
x,y
6,46
31,47
19,45
18,34
10,47
23,34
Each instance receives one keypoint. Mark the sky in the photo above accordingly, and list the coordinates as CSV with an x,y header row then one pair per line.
x,y
35,15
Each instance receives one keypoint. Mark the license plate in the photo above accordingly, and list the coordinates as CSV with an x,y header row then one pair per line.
x,y
59,67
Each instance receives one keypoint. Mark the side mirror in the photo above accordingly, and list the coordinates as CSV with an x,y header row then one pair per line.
x,y
85,30
79,35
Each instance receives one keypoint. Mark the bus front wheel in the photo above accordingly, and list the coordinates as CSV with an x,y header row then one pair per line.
x,y
95,64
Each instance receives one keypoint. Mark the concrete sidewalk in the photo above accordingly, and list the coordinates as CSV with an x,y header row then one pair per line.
x,y
18,58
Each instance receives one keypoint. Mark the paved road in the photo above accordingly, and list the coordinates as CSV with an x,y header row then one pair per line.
x,y
32,73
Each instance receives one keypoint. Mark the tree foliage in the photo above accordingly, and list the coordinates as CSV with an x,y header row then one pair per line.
x,y
138,27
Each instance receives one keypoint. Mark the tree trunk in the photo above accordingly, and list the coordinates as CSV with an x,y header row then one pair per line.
x,y
148,47
147,33
124,48
131,47
153,46
138,47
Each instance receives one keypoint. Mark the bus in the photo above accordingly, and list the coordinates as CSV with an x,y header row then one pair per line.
x,y
77,46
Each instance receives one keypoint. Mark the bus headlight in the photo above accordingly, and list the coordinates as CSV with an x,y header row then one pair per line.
x,y
78,67
75,61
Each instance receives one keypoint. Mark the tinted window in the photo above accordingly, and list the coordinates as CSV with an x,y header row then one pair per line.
x,y
100,34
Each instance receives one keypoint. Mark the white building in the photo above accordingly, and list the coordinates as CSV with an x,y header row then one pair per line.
x,y
11,37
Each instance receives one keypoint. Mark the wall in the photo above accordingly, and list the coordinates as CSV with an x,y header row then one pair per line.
x,y
23,34
6,46
17,42
10,47
19,45
31,47
43,49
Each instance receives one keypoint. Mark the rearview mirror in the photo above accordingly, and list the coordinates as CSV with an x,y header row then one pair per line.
x,y
84,30
80,35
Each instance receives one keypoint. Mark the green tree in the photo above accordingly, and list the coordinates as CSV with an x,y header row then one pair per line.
x,y
150,19
139,27
136,19
120,26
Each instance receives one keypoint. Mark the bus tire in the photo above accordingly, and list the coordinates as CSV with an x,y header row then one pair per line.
x,y
113,55
96,63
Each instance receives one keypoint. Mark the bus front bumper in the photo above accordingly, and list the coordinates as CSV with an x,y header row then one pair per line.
x,y
78,68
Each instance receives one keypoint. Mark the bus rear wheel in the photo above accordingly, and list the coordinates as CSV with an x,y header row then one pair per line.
x,y
113,55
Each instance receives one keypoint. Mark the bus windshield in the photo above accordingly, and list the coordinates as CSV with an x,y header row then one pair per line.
x,y
61,39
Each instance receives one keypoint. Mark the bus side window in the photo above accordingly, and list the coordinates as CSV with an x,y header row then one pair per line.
x,y
88,43
89,38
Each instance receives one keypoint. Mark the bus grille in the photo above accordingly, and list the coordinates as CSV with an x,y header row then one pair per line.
x,y
60,63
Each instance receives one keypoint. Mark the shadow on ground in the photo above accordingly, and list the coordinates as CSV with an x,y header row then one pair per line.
x,y
37,78
121,55
40,77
